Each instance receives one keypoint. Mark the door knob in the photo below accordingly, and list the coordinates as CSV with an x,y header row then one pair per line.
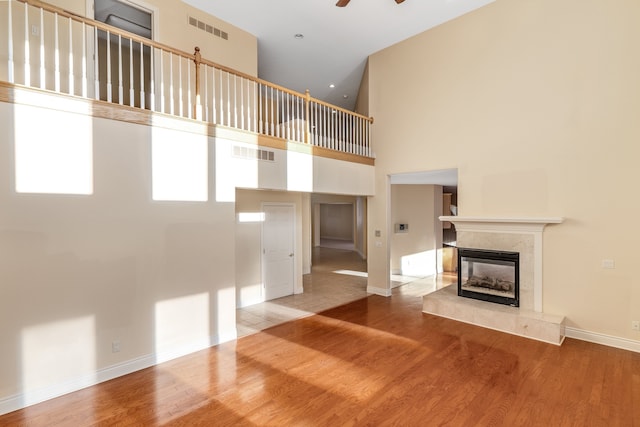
x,y
291,254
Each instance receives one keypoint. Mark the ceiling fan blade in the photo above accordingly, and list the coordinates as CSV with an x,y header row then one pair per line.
x,y
342,3
399,1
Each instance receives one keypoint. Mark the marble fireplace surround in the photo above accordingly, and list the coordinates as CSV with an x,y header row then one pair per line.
x,y
516,234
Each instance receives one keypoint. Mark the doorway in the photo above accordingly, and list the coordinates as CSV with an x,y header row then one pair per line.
x,y
278,249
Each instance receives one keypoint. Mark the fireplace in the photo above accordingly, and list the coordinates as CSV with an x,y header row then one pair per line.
x,y
489,275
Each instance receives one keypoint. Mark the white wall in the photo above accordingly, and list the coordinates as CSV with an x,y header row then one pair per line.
x,y
415,252
292,169
88,257
249,276
536,105
118,232
337,221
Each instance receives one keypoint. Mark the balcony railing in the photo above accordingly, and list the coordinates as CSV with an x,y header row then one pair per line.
x,y
53,49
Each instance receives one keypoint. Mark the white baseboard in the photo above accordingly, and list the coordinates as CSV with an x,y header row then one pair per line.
x,y
379,291
32,397
598,338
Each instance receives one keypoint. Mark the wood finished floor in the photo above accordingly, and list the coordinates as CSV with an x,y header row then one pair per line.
x,y
374,361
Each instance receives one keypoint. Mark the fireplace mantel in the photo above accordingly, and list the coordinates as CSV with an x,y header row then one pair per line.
x,y
501,224
525,225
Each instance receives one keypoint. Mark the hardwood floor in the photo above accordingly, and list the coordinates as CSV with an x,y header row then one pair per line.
x,y
374,361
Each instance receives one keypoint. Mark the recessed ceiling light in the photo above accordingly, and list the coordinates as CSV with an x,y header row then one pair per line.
x,y
299,36
332,85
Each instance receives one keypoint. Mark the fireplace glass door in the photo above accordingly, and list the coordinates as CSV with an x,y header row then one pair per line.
x,y
489,275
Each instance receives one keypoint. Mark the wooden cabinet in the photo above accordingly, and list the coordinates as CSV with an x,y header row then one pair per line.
x,y
450,259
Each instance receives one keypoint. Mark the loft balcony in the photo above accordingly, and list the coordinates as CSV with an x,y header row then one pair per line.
x,y
70,55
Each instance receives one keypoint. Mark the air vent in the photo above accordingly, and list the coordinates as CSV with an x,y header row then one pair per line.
x,y
208,28
253,153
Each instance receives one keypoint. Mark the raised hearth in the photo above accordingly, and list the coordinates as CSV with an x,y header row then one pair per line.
x,y
521,235
445,302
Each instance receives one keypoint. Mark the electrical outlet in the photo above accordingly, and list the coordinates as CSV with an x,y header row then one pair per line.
x,y
635,325
115,346
35,30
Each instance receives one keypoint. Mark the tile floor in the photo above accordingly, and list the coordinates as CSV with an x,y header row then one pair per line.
x,y
337,277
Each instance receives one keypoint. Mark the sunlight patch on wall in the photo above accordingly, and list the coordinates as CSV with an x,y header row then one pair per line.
x,y
182,326
419,264
251,217
299,171
233,171
226,310
251,294
53,151
180,166
57,358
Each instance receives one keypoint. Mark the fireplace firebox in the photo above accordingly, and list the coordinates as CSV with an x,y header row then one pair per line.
x,y
489,275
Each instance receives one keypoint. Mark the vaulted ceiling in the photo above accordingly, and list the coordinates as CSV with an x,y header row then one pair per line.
x,y
335,41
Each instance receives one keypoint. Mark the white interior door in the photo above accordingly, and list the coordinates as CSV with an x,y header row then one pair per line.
x,y
278,244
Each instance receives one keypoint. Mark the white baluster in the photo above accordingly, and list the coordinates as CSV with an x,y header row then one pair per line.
x,y
228,99
120,85
260,118
213,95
152,67
171,106
189,109
162,100
109,86
206,94
300,122
221,97
180,106
84,61
43,71
342,135
271,108
235,101
27,65
132,93
278,94
241,103
10,47
96,71
142,95
71,75
254,105
56,39
356,136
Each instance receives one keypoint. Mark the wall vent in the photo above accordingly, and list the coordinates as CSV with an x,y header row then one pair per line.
x,y
208,28
253,153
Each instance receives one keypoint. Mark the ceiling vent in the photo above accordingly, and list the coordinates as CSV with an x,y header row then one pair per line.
x,y
208,28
